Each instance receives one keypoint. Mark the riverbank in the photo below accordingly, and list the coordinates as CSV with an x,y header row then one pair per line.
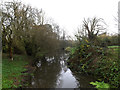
x,y
14,72
98,62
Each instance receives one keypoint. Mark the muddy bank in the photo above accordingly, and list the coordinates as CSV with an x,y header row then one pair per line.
x,y
28,73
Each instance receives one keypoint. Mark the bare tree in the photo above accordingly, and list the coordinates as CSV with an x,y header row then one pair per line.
x,y
24,29
91,28
16,21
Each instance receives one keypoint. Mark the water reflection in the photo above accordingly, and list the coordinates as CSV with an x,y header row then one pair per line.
x,y
54,73
66,80
46,75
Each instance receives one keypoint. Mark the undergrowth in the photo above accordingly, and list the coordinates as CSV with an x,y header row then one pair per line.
x,y
102,62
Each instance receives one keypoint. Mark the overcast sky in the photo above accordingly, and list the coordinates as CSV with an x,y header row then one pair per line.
x,y
70,13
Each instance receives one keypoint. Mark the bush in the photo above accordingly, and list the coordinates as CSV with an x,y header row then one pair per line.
x,y
68,49
100,84
96,60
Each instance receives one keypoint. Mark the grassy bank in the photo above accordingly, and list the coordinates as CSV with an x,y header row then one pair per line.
x,y
12,70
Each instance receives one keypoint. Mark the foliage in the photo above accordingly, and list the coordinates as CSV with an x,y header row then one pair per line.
x,y
109,68
92,54
100,84
68,49
24,31
73,50
99,61
84,54
109,40
14,23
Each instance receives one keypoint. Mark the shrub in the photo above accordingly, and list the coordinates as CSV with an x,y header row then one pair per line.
x,y
96,60
100,84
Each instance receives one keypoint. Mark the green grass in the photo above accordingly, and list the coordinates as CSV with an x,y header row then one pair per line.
x,y
113,46
11,70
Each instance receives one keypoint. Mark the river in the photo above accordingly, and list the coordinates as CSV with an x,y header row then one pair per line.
x,y
54,73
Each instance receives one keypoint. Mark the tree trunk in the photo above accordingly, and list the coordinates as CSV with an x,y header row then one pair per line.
x,y
10,50
11,54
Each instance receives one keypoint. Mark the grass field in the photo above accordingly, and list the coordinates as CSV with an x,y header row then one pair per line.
x,y
113,46
11,70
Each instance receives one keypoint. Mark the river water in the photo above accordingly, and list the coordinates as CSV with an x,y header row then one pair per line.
x,y
54,73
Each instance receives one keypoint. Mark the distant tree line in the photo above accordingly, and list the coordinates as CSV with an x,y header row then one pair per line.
x,y
110,40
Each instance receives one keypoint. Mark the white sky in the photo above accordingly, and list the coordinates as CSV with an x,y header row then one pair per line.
x,y
70,13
